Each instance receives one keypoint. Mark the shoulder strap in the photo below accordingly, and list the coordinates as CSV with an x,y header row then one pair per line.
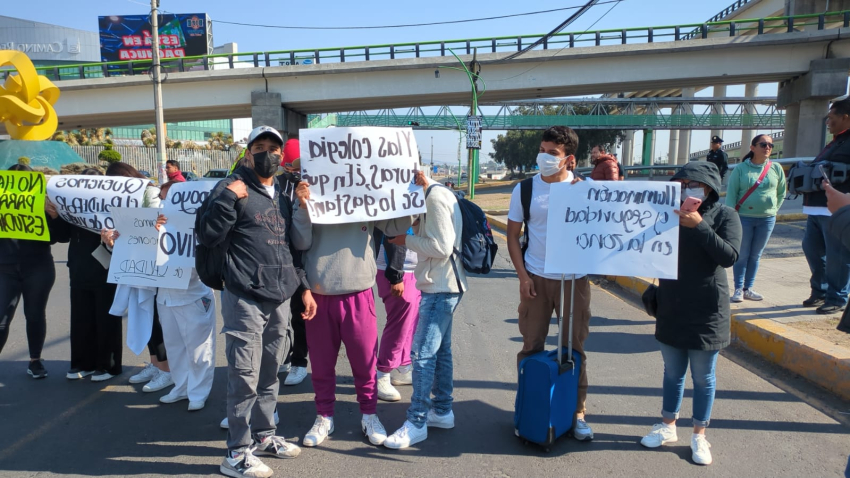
x,y
756,185
525,190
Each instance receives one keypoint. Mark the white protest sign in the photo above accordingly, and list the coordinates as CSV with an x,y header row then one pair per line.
x,y
360,174
86,201
623,228
134,253
177,238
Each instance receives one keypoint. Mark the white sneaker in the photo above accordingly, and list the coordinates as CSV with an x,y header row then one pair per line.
x,y
701,449
406,436
738,296
76,374
284,368
195,405
172,397
146,375
323,427
224,424
244,465
402,375
446,421
277,446
386,391
582,431
661,433
296,376
373,429
162,380
101,376
750,294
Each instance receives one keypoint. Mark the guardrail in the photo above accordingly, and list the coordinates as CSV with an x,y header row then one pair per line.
x,y
778,136
505,44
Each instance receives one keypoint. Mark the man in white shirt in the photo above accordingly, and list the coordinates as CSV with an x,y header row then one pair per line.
x,y
540,292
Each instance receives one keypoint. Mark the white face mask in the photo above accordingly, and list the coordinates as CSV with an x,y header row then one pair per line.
x,y
549,165
693,193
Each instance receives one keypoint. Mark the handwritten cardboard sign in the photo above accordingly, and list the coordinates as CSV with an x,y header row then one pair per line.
x,y
86,201
177,238
22,206
135,251
360,174
623,228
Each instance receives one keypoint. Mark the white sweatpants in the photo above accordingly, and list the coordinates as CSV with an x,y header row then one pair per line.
x,y
189,335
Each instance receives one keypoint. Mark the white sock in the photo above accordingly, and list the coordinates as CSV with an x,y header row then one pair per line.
x,y
383,374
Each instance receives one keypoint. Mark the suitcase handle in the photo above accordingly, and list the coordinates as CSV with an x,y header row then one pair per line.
x,y
569,364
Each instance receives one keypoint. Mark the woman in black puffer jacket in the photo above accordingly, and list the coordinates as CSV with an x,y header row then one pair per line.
x,y
693,317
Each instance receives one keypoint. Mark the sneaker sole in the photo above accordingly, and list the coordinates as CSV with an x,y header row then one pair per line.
x,y
400,382
304,442
736,301
413,442
389,399
376,443
151,389
231,472
29,372
583,438
754,300
663,442
94,379
78,376
265,453
178,399
292,384
444,426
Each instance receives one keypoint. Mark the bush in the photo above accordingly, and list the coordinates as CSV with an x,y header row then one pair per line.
x,y
24,160
110,156
46,170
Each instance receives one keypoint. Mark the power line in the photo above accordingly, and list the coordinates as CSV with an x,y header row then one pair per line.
x,y
470,20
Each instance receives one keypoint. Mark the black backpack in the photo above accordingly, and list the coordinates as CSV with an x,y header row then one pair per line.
x,y
478,248
210,261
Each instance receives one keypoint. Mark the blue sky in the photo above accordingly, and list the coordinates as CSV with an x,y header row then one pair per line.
x,y
627,13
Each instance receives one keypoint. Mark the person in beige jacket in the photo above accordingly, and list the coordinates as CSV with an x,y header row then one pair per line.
x,y
441,279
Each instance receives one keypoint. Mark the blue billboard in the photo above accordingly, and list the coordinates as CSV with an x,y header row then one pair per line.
x,y
128,37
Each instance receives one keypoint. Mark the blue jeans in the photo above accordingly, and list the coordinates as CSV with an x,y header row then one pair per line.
x,y
702,364
828,260
756,233
431,356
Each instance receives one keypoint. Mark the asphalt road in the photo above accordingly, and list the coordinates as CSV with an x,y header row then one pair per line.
x,y
54,427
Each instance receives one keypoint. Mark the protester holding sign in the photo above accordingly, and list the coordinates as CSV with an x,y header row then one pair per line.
x,y
442,280
27,270
339,260
540,293
693,317
96,336
247,216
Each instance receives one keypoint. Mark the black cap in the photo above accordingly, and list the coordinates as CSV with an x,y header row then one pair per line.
x,y
716,139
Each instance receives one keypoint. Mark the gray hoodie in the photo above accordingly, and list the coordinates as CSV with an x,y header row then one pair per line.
x,y
340,258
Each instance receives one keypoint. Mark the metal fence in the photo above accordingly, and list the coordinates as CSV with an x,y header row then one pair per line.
x,y
198,161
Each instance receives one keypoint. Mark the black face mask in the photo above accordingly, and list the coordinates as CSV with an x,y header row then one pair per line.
x,y
265,164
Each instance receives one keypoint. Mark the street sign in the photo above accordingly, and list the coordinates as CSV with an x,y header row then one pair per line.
x,y
473,132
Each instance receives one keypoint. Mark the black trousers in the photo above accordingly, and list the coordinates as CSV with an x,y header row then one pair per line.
x,y
156,345
96,336
33,282
297,333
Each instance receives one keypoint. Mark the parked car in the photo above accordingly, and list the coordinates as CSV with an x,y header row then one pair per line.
x,y
215,174
190,176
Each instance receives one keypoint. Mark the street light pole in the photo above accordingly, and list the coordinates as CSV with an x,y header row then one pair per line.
x,y
157,92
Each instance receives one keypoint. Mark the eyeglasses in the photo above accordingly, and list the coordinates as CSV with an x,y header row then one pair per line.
x,y
765,145
691,185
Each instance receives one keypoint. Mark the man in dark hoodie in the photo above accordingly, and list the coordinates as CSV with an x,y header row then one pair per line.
x,y
248,213
693,316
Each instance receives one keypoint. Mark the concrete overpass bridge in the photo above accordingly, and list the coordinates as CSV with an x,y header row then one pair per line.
x,y
814,48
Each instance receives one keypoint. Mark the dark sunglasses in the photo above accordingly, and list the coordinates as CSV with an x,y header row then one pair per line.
x,y
765,145
691,185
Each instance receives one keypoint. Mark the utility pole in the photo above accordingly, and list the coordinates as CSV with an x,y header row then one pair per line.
x,y
432,151
157,93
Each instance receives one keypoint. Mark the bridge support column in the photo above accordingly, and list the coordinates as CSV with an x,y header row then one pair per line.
x,y
719,92
266,110
811,93
685,134
628,146
292,122
751,90
673,152
648,147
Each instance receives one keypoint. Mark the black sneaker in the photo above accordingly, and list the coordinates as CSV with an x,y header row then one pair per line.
x,y
813,301
36,369
829,309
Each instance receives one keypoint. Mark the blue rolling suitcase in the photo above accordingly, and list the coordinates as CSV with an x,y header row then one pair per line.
x,y
547,394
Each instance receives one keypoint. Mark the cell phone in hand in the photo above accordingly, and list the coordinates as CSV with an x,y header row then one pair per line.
x,y
823,173
691,205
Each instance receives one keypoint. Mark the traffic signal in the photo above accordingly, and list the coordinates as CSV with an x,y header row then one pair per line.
x,y
412,123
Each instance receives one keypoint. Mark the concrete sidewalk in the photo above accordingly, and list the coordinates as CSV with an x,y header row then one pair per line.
x,y
764,327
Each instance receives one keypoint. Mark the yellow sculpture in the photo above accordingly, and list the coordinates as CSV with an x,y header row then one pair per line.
x,y
26,100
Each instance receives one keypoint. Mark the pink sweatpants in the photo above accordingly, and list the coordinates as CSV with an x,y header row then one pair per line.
x,y
402,315
348,319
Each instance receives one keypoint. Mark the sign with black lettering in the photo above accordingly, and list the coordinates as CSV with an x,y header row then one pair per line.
x,y
360,174
622,228
473,132
134,253
86,201
177,237
22,206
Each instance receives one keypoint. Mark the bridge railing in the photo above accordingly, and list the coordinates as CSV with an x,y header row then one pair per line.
x,y
501,44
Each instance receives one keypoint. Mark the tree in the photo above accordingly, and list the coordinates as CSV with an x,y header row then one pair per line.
x,y
220,141
109,155
85,137
518,148
24,160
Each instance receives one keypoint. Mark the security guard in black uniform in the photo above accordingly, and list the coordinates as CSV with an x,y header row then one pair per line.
x,y
718,156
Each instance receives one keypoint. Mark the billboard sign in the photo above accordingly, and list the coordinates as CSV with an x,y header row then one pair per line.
x,y
128,37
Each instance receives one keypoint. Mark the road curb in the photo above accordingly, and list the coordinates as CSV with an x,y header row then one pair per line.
x,y
494,221
797,216
811,357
